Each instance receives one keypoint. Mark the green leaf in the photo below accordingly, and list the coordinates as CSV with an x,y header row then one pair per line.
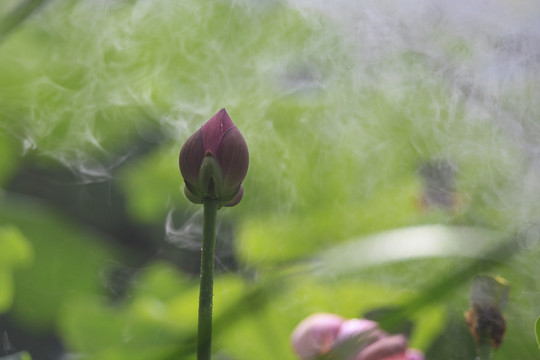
x,y
9,157
161,311
404,244
285,237
67,260
15,251
6,289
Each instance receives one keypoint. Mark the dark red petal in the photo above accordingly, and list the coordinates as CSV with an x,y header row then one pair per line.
x,y
316,335
233,156
191,156
214,129
390,347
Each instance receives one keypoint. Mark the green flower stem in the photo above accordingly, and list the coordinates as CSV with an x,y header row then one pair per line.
x,y
206,294
483,350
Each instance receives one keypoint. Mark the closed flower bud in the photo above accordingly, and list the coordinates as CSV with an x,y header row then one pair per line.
x,y
214,162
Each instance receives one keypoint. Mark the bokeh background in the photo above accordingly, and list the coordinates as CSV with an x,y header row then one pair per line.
x,y
394,154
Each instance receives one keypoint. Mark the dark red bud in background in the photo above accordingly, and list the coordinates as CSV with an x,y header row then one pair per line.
x,y
486,322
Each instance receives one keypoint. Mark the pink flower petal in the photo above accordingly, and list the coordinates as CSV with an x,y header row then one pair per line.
x,y
355,327
388,348
316,335
413,354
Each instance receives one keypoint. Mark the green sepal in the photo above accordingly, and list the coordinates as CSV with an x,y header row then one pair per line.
x,y
229,198
210,182
192,197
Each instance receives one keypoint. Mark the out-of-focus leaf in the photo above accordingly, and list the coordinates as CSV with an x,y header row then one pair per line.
x,y
8,156
96,329
68,261
160,280
430,323
152,323
15,252
157,171
18,15
410,243
6,289
281,238
437,289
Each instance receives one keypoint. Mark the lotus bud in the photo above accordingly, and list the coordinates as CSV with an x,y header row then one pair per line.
x,y
214,162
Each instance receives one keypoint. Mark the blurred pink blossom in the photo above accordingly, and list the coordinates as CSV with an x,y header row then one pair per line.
x,y
330,336
316,335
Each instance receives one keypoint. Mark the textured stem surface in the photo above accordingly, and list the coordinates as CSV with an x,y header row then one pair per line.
x,y
206,294
483,350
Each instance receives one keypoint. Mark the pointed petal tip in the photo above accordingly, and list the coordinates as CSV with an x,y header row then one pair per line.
x,y
226,121
221,118
214,129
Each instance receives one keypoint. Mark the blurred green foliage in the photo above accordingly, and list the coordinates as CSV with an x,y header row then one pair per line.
x,y
18,356
109,90
15,251
66,261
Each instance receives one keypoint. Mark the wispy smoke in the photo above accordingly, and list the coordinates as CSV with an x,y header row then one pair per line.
x,y
487,55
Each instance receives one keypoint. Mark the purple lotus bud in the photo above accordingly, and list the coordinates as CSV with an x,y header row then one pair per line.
x,y
315,335
214,162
